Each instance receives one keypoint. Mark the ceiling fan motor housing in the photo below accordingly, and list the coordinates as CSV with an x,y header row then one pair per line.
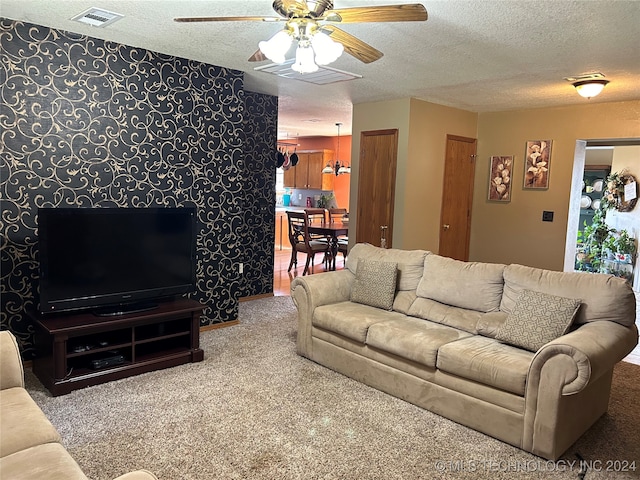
x,y
310,8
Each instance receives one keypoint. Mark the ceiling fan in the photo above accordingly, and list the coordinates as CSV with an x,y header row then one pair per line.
x,y
312,24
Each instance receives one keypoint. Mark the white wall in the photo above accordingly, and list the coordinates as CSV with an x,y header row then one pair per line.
x,y
627,157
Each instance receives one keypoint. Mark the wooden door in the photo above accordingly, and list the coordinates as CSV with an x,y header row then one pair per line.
x,y
376,186
457,197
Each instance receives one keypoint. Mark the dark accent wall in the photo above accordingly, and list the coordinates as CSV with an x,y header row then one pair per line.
x,y
90,123
261,128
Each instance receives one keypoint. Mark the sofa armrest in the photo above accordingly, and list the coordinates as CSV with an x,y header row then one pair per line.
x,y
595,348
569,383
312,291
138,475
11,370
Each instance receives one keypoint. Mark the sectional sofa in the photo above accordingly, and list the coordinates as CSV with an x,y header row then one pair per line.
x,y
30,446
522,354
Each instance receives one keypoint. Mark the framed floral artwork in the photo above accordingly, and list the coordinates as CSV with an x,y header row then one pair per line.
x,y
537,165
500,173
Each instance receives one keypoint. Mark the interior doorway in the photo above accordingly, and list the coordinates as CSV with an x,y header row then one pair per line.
x,y
614,155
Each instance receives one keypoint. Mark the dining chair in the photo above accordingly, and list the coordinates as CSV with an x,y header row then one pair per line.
x,y
302,242
319,216
336,215
316,215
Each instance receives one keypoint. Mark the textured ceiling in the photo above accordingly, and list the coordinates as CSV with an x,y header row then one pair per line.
x,y
480,56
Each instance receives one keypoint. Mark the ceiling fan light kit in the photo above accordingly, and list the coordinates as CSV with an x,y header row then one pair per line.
x,y
277,46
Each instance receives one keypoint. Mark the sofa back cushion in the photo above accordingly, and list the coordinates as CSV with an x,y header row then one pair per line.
x,y
471,285
603,297
410,262
460,318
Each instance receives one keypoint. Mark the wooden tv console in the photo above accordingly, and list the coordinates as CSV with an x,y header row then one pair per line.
x,y
67,344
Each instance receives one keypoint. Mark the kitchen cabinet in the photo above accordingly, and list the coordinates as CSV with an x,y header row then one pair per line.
x,y
307,174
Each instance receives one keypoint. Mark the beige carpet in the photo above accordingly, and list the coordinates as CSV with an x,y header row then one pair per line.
x,y
253,409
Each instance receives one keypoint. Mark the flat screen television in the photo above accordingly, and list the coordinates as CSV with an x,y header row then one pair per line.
x,y
114,260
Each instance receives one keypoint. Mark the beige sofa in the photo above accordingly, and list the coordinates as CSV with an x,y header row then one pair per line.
x,y
437,346
30,446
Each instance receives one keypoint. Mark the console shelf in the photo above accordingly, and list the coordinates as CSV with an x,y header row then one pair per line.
x,y
68,343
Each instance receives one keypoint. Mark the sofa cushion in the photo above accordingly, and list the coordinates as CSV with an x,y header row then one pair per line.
x,y
604,297
410,262
536,319
490,322
456,317
485,360
47,461
471,285
375,283
412,338
349,319
25,425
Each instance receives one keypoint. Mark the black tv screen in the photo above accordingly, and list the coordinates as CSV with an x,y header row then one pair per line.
x,y
111,257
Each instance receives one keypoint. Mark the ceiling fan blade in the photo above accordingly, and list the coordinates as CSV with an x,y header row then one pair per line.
x,y
228,19
258,56
408,12
352,45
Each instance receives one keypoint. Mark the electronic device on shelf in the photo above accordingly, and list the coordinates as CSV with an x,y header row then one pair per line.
x,y
114,358
113,258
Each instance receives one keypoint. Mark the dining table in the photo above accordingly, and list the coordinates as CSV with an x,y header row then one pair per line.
x,y
333,231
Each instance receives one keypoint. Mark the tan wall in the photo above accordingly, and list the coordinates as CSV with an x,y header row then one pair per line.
x,y
422,194
422,132
514,232
392,114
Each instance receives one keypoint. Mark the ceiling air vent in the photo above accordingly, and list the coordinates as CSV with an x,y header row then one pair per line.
x,y
96,17
323,76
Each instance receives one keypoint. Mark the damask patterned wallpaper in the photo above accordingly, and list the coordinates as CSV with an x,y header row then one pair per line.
x,y
90,123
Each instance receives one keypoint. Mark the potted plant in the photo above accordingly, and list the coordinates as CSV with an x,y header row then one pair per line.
x,y
625,247
593,239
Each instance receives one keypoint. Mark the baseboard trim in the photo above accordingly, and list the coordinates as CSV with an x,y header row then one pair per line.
x,y
256,297
215,326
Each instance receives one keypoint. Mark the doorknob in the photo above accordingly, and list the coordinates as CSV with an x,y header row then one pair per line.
x,y
383,236
445,226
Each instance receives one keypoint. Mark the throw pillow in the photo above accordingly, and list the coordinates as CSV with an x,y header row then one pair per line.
x,y
536,319
375,283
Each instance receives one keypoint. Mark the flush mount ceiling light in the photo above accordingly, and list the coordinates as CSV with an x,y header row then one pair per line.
x,y
590,88
589,85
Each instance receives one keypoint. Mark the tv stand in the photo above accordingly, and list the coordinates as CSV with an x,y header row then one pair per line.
x,y
125,309
70,346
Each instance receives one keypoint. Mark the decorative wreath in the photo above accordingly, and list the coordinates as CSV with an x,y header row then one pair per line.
x,y
613,196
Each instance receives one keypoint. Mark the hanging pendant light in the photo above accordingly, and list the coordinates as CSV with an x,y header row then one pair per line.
x,y
337,168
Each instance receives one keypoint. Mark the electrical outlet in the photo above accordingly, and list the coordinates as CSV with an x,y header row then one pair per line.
x,y
241,268
547,216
